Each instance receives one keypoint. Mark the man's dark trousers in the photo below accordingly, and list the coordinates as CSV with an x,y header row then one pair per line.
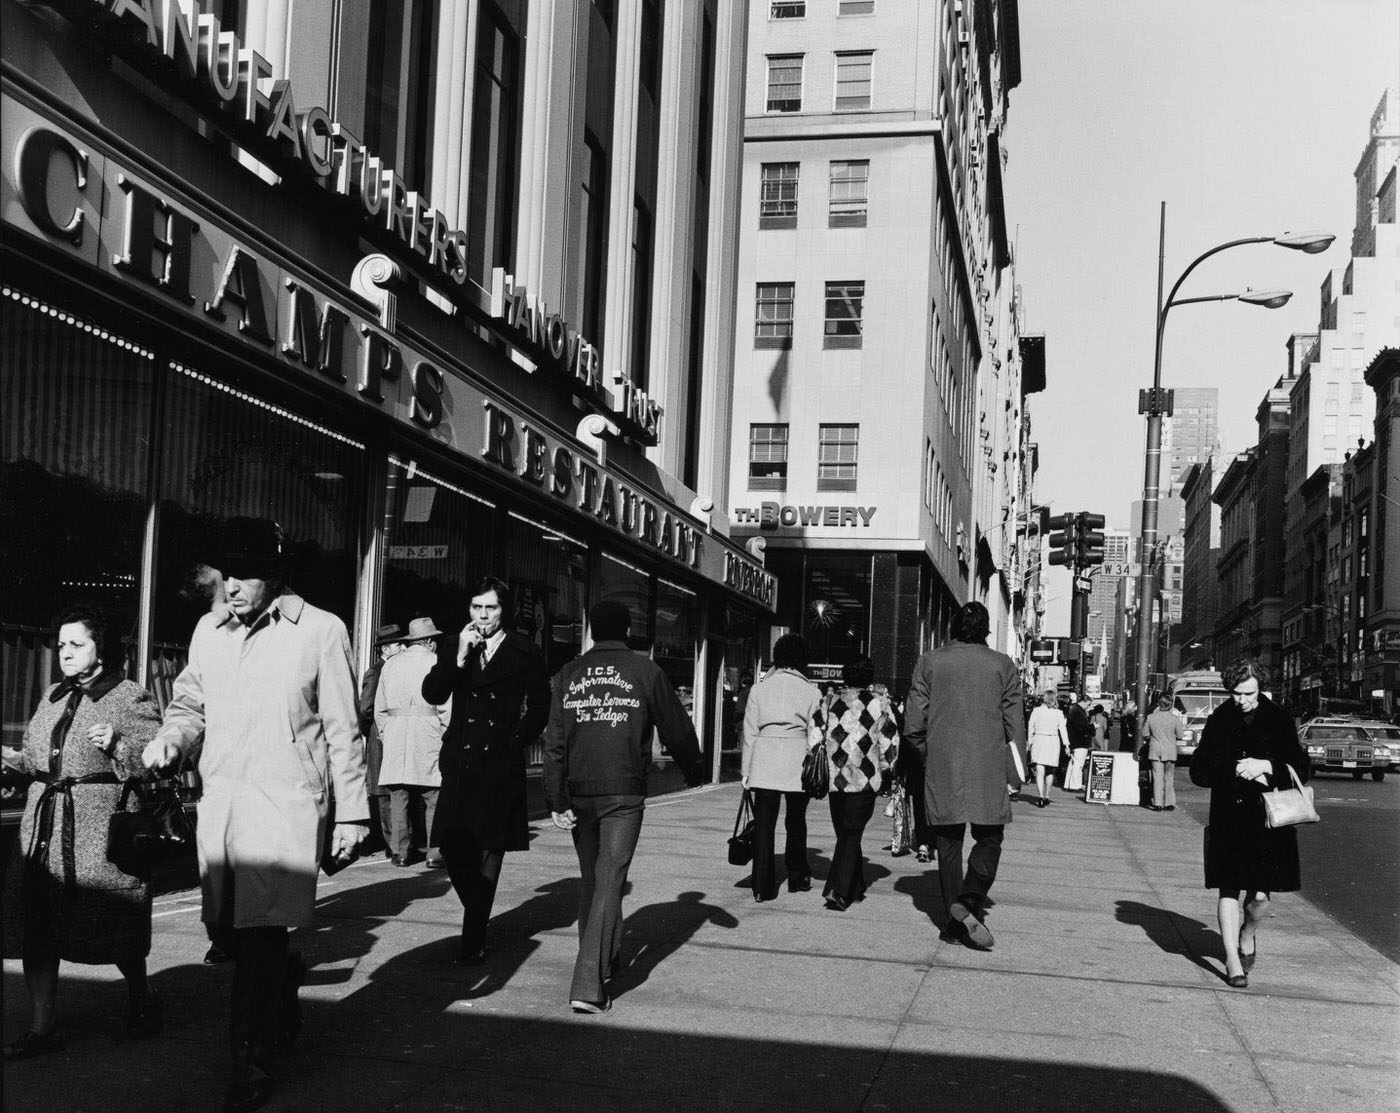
x,y
981,862
605,837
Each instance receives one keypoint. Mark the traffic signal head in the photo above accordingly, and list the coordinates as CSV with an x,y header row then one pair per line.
x,y
1063,543
1091,540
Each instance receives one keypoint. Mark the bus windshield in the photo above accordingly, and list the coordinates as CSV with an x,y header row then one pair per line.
x,y
1200,703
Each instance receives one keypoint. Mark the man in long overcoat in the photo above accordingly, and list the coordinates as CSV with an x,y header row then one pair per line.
x,y
964,708
500,703
388,641
270,690
410,729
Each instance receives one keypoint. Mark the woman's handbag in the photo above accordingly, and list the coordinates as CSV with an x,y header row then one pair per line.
x,y
816,774
1288,807
902,835
158,832
741,842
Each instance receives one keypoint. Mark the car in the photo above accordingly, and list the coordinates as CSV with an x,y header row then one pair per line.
x,y
1194,696
1346,744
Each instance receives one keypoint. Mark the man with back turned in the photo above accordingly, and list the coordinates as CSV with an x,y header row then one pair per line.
x,y
964,708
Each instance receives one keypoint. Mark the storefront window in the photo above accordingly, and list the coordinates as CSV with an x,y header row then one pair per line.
x,y
548,571
437,540
231,454
836,606
77,427
677,629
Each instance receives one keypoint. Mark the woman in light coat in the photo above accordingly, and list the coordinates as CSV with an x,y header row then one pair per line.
x,y
1049,737
861,737
84,740
777,726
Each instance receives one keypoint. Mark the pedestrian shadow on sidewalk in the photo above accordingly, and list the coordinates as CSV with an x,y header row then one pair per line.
x,y
820,865
511,936
1173,933
654,932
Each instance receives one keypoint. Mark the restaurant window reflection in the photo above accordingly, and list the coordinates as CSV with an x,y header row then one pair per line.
x,y
615,578
232,454
548,571
73,479
437,540
677,627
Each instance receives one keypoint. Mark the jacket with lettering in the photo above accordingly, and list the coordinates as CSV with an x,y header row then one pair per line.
x,y
598,740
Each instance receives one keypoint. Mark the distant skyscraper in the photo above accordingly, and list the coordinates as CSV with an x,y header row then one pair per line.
x,y
1191,435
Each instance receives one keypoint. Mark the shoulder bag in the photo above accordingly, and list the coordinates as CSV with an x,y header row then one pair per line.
x,y
741,842
158,832
816,773
1288,807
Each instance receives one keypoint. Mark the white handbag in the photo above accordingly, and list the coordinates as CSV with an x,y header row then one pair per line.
x,y
1288,807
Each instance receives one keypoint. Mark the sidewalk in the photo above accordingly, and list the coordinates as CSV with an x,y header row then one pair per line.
x,y
1103,991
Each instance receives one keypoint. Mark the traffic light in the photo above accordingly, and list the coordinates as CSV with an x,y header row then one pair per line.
x,y
1064,544
1091,539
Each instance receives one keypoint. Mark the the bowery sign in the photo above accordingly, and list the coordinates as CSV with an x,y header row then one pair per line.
x,y
770,515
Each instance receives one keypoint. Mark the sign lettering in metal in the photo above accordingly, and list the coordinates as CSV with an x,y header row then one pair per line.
x,y
417,552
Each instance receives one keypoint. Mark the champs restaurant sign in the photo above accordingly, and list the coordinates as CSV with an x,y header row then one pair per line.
x,y
180,45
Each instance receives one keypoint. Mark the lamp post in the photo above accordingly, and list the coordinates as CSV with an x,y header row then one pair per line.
x,y
1154,406
1335,612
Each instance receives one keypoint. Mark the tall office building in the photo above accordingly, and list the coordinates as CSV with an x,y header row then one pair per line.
x,y
880,441
1191,435
1102,628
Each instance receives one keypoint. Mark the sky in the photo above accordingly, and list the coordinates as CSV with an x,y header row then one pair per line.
x,y
1248,118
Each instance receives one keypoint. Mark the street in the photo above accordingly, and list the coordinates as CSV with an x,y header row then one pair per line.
x,y
1351,860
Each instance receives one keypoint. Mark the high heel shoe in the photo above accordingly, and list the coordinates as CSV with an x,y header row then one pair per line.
x,y
1247,960
1237,981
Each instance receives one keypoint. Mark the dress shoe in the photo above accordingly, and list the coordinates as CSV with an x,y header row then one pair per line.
x,y
763,898
1170,808
953,933
799,884
33,1044
399,860
1238,981
580,1006
473,958
836,903
977,932
1247,960
435,862
922,854
213,956
145,1016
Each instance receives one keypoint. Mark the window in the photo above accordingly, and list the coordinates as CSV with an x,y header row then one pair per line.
x,y
773,316
853,73
490,204
784,83
836,457
593,236
855,7
1357,393
849,194
844,302
777,195
768,456
787,9
398,83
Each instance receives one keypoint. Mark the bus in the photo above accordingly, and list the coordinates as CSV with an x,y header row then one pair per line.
x,y
1194,696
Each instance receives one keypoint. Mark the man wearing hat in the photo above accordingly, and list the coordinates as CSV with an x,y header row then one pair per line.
x,y
266,706
411,729
388,640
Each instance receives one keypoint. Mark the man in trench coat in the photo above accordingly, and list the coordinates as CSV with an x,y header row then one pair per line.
x,y
270,690
964,708
500,702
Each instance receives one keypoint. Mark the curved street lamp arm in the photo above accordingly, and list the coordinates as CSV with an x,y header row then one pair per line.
x,y
1197,261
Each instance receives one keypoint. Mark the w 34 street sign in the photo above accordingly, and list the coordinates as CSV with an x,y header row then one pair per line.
x,y
1122,568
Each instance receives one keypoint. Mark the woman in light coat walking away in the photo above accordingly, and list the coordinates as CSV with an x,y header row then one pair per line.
x,y
861,737
1048,738
777,730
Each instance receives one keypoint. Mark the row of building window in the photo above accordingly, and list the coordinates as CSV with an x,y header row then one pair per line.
x,y
847,198
842,324
797,9
855,71
837,456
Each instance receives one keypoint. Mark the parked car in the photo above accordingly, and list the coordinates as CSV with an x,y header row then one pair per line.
x,y
1343,744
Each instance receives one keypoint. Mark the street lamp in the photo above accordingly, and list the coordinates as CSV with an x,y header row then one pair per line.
x,y
1153,405
1335,612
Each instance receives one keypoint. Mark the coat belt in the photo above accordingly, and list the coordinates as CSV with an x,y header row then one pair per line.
x,y
36,864
411,712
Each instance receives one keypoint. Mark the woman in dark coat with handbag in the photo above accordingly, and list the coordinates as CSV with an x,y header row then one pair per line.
x,y
1247,748
64,901
500,704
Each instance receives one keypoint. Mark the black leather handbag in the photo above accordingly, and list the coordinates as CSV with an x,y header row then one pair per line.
x,y
741,842
158,832
816,773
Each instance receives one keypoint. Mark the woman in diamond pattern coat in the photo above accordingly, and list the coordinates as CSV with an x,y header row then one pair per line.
x,y
861,736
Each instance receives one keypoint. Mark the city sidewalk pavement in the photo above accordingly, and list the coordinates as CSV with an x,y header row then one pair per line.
x,y
1104,991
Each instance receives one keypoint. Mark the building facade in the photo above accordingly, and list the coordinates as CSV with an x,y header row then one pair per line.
x,y
881,439
1200,552
1191,435
1380,631
436,287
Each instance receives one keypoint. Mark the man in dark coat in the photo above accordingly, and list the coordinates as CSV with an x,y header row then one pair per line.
x,y
596,755
500,702
964,708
